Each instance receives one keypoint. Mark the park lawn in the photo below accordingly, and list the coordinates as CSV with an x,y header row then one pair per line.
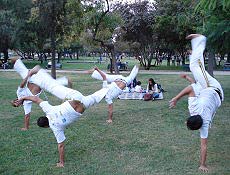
x,y
145,137
85,63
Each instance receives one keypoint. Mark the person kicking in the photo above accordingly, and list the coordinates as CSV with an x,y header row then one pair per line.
x,y
26,88
205,96
117,84
60,116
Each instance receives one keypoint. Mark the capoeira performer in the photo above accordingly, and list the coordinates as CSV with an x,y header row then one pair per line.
x,y
58,117
117,84
204,96
26,88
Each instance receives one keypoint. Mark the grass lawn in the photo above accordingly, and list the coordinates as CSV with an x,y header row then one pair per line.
x,y
145,138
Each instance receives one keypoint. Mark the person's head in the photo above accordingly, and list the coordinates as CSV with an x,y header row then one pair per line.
x,y
139,83
151,81
194,122
43,122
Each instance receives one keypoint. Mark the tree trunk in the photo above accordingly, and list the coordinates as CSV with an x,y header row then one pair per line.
x,y
53,45
6,55
228,58
211,59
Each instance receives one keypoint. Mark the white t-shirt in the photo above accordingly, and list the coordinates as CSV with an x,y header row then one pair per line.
x,y
59,117
113,91
138,88
204,104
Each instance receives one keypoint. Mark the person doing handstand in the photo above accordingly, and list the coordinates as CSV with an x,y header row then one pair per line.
x,y
60,116
27,88
205,96
117,84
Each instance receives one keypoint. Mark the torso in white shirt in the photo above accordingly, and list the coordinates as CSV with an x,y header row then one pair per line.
x,y
59,117
204,105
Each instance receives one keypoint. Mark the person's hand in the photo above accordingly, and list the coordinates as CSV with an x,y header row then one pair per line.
x,y
60,164
96,68
24,129
183,76
203,168
17,102
172,102
109,121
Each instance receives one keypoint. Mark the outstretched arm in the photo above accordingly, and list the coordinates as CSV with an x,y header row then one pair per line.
x,y
61,148
101,73
186,91
188,78
203,155
34,99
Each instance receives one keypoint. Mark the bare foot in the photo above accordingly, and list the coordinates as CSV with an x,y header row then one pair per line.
x,y
109,121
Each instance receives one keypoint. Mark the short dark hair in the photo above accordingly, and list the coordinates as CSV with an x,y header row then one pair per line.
x,y
194,122
43,122
138,82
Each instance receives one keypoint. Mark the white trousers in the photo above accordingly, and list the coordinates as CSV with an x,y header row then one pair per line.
x,y
46,82
21,69
112,78
198,46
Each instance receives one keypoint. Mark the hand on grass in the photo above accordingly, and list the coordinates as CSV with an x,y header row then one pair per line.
x,y
203,169
60,165
24,129
109,121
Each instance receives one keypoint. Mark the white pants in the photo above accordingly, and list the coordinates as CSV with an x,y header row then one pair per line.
x,y
46,82
21,69
114,92
198,46
112,78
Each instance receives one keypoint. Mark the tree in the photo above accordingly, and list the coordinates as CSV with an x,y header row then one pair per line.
x,y
101,26
51,24
215,24
174,20
13,16
137,26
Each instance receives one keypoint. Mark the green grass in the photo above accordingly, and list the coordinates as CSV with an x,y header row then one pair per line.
x,y
145,138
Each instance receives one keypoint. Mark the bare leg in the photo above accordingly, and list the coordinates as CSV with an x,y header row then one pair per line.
x,y
26,122
110,112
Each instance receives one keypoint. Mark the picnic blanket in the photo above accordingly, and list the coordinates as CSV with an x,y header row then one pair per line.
x,y
136,96
131,96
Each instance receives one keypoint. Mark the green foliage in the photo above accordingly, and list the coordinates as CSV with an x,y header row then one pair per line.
x,y
215,23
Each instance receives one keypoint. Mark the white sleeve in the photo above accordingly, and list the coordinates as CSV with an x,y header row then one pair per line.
x,y
59,134
46,107
204,131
